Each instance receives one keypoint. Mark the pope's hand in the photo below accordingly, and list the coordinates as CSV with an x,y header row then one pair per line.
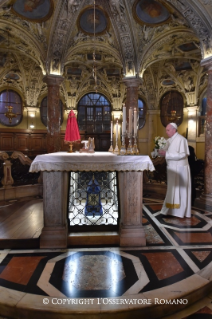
x,y
161,153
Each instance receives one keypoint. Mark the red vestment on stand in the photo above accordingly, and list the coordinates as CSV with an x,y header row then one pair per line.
x,y
72,130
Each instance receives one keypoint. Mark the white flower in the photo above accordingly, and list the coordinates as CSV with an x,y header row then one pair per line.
x,y
160,142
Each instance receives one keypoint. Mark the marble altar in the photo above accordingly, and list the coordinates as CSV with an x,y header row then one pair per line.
x,y
56,168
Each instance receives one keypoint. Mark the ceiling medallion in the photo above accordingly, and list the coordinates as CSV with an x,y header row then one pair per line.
x,y
33,11
87,22
151,12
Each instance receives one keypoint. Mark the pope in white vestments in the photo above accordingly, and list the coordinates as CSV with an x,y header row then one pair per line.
x,y
178,197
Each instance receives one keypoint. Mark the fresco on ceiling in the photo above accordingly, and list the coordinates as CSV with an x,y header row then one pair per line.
x,y
168,82
187,47
33,10
87,21
12,76
151,12
183,66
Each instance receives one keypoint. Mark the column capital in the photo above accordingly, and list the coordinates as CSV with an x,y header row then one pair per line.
x,y
207,63
53,80
132,81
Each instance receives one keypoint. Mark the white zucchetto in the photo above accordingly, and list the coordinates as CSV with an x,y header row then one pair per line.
x,y
174,125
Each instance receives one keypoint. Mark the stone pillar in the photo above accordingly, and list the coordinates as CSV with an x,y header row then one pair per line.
x,y
192,126
207,195
53,112
131,203
132,85
55,194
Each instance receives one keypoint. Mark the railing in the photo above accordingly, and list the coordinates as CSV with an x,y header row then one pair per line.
x,y
93,199
14,169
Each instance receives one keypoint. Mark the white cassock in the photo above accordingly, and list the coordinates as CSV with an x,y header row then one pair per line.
x,y
178,196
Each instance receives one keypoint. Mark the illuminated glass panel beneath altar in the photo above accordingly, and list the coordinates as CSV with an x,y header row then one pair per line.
x,y
93,199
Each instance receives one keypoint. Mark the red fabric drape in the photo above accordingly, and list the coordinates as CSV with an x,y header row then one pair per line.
x,y
72,130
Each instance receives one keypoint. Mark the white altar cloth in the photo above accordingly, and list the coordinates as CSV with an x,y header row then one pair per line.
x,y
98,161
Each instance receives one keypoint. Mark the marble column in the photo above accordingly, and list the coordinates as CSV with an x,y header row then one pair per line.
x,y
131,204
53,112
55,194
132,85
207,195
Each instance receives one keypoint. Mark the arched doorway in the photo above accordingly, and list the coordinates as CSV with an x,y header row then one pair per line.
x,y
94,116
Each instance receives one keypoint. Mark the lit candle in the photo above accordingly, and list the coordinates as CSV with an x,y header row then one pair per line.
x,y
135,122
111,130
117,130
130,120
124,120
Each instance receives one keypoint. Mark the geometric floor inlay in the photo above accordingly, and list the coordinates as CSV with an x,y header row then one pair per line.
x,y
177,250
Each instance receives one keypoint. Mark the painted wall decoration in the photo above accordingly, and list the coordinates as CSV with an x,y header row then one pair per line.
x,y
150,12
168,83
33,10
12,76
86,21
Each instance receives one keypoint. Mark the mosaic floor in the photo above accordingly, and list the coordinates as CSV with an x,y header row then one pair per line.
x,y
173,272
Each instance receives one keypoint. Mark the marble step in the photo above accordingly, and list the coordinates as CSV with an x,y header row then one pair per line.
x,y
93,238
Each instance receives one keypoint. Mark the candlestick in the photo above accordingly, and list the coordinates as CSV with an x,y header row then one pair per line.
x,y
130,146
123,147
130,120
111,130
135,122
124,119
135,147
117,130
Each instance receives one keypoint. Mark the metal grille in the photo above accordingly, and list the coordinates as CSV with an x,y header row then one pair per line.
x,y
93,198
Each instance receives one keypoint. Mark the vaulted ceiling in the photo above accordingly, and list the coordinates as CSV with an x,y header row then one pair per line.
x,y
163,47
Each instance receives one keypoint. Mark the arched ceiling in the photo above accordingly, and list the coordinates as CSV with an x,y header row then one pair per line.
x,y
166,55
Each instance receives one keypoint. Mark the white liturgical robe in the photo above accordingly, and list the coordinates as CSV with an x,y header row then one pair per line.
x,y
178,196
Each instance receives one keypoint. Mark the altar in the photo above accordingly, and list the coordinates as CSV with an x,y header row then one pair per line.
x,y
56,168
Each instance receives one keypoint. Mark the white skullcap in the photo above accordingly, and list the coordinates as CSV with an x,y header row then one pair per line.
x,y
174,125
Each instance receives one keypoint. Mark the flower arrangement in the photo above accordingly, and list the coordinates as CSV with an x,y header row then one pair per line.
x,y
160,142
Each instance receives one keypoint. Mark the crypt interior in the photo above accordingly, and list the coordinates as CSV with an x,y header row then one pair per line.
x,y
93,57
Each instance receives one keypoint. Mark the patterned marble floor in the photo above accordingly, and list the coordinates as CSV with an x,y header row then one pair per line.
x,y
169,278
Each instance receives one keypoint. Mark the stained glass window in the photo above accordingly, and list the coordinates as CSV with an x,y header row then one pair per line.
x,y
94,113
